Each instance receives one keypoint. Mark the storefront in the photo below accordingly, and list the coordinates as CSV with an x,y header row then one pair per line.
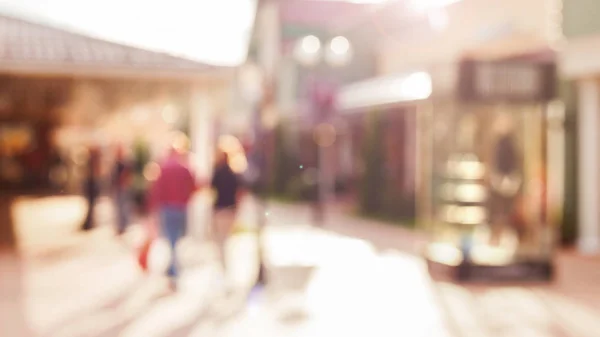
x,y
85,92
580,64
491,159
380,141
101,96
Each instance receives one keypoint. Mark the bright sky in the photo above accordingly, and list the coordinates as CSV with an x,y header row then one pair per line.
x,y
211,31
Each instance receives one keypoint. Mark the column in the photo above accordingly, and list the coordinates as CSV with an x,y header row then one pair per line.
x,y
202,131
202,135
269,31
588,202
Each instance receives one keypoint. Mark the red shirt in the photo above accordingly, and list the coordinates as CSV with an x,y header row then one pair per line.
x,y
175,185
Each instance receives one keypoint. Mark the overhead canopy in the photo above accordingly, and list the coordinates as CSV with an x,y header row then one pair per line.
x,y
391,89
35,49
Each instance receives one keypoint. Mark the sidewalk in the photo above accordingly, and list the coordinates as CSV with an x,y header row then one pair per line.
x,y
567,307
361,278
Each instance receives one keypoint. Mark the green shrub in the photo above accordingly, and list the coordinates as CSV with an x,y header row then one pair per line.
x,y
569,232
372,182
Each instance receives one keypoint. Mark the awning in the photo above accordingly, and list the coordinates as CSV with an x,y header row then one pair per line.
x,y
510,46
28,48
392,89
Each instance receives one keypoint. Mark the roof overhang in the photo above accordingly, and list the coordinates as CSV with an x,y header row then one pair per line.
x,y
37,50
83,71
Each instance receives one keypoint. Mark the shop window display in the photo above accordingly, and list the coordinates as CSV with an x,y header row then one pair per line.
x,y
488,162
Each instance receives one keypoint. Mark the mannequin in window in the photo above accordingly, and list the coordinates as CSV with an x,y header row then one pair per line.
x,y
505,179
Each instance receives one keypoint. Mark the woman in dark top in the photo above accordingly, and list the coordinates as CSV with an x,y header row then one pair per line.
x,y
228,188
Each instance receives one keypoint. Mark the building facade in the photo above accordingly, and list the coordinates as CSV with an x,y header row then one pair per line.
x,y
580,65
437,40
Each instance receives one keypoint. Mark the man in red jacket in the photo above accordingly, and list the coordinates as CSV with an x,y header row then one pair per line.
x,y
171,194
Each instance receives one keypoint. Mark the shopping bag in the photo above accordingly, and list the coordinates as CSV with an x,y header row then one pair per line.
x,y
151,235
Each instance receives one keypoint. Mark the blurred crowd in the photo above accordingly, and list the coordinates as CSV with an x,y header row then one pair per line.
x,y
158,193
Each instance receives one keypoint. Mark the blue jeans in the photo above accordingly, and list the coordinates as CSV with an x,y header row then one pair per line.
x,y
173,221
122,200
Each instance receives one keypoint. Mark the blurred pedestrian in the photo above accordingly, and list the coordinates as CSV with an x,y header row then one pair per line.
x,y
121,179
91,188
228,188
171,194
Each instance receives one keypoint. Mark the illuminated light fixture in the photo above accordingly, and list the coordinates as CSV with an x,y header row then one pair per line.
x,y
493,256
339,52
464,215
471,170
308,50
385,90
471,215
340,45
470,193
417,85
444,253
467,192
311,44
465,166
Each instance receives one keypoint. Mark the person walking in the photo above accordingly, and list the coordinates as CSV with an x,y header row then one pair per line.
x,y
170,196
229,189
121,182
91,188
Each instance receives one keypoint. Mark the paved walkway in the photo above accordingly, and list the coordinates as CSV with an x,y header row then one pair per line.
x,y
354,277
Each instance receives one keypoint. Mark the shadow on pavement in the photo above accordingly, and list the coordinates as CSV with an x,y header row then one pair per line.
x,y
513,311
113,303
114,316
216,314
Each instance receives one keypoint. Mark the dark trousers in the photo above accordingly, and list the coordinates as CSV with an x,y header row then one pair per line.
x,y
89,218
122,204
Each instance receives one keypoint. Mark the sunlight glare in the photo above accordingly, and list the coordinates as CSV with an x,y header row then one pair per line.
x,y
206,31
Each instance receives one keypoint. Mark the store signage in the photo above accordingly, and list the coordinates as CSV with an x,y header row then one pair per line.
x,y
518,271
510,81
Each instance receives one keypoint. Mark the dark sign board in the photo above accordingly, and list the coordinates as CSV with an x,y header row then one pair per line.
x,y
534,271
526,271
506,81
